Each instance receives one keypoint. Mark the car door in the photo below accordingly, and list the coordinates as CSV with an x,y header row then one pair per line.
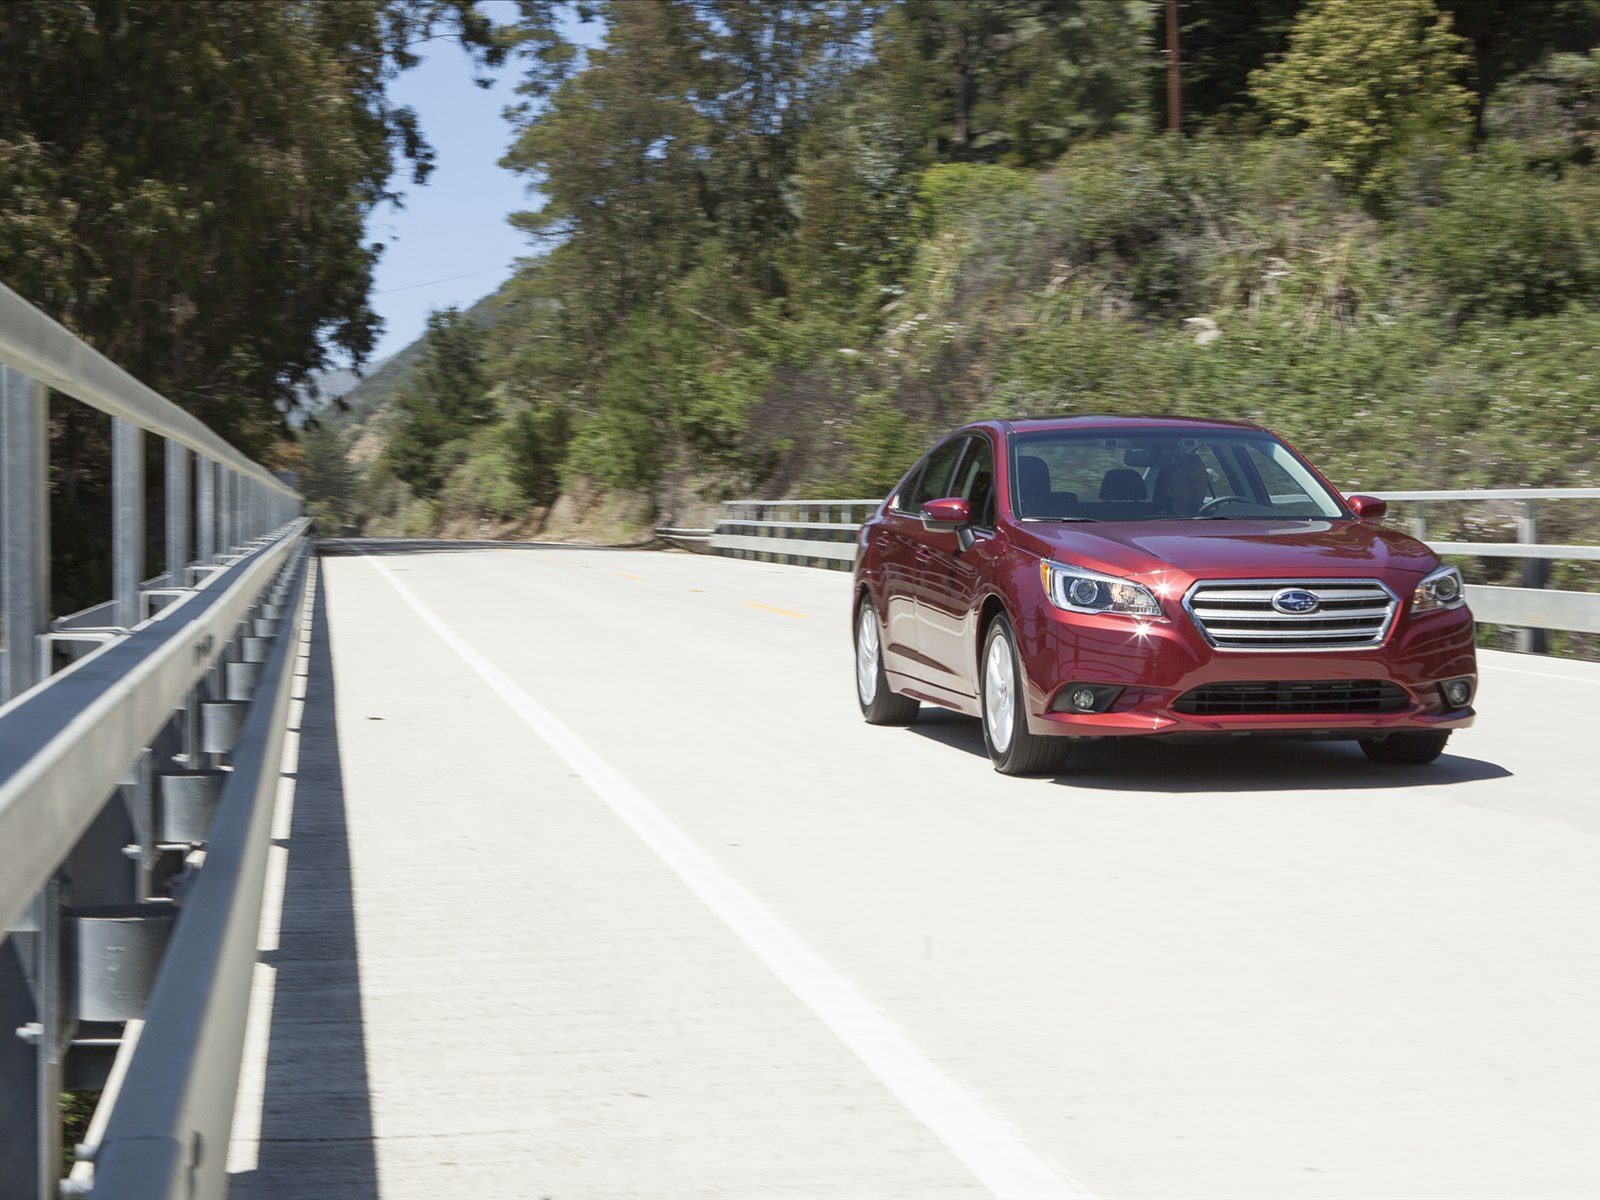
x,y
905,562
950,578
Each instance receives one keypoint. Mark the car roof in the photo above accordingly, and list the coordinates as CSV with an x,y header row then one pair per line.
x,y
1033,424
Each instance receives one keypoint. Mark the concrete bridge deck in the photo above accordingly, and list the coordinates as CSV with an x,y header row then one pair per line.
x,y
592,883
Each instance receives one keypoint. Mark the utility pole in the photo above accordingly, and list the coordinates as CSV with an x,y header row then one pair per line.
x,y
1174,87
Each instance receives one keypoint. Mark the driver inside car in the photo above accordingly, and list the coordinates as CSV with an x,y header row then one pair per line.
x,y
1181,489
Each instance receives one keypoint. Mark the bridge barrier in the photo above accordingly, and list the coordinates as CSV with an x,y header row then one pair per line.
x,y
822,533
137,739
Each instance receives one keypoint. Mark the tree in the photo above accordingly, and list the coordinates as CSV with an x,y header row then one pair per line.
x,y
447,400
1508,36
1016,80
685,126
618,153
327,480
186,185
668,169
1220,43
1365,81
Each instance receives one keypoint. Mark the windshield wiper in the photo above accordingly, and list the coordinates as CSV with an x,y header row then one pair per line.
x,y
1073,520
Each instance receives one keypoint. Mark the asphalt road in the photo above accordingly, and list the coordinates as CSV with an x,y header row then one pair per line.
x,y
637,906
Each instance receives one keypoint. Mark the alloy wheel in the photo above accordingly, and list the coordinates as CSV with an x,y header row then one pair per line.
x,y
999,682
867,656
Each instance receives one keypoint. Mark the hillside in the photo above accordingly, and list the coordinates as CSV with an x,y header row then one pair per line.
x,y
366,403
1353,242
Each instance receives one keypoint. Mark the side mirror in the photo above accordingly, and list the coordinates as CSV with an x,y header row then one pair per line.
x,y
945,516
950,515
1367,508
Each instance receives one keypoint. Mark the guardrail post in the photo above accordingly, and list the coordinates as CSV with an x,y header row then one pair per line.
x,y
1535,574
24,530
127,524
205,499
33,1043
177,514
1419,520
227,497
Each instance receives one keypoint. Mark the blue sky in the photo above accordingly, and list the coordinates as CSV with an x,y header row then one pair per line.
x,y
450,244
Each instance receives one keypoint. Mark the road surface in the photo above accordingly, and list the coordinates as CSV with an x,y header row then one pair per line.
x,y
595,885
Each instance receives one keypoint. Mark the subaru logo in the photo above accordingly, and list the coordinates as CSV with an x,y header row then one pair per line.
x,y
1296,601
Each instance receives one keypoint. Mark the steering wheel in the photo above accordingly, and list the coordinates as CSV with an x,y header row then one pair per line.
x,y
1217,502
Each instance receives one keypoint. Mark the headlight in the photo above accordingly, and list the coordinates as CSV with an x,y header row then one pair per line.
x,y
1442,589
1077,590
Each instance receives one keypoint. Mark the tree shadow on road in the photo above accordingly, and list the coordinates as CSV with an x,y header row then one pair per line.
x,y
316,1121
1244,765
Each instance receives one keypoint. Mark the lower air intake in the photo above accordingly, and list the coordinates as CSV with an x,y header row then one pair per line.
x,y
1296,697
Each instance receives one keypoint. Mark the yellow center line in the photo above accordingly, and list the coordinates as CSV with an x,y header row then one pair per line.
x,y
784,611
624,575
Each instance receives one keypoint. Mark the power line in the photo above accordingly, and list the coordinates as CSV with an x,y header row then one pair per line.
x,y
429,283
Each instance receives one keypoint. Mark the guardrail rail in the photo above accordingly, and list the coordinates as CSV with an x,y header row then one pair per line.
x,y
139,750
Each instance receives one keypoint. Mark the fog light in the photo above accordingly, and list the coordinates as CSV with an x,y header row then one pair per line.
x,y
1457,692
1086,697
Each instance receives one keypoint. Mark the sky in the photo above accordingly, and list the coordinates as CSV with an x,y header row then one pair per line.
x,y
450,244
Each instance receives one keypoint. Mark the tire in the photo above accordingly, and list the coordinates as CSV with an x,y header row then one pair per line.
x,y
879,705
1405,749
1013,749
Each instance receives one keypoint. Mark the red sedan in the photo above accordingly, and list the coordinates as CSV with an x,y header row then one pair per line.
x,y
1114,577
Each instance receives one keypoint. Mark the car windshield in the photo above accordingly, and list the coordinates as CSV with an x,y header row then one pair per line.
x,y
1163,475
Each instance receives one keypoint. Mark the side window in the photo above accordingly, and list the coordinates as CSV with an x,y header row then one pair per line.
x,y
934,482
974,481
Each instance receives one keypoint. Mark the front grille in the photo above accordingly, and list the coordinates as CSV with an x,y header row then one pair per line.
x,y
1241,616
1319,697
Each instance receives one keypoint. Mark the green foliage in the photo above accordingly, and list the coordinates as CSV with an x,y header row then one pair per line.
x,y
1552,113
186,186
1220,46
1017,82
1506,37
537,439
789,279
77,1110
883,441
1367,82
447,400
328,481
852,193
1508,241
485,484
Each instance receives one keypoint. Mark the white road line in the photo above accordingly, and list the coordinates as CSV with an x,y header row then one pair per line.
x,y
1542,674
991,1149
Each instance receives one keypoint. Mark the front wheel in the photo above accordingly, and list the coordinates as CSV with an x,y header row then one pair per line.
x,y
879,705
1013,748
1406,749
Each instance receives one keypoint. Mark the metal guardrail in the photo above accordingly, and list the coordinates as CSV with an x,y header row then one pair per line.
x,y
168,1128
1532,608
813,533
822,533
131,752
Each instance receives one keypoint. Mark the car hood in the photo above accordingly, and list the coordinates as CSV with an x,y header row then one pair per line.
x,y
1234,549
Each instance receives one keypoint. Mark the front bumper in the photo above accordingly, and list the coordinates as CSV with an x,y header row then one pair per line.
x,y
1156,663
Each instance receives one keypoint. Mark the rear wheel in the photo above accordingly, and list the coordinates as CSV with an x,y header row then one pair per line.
x,y
1013,748
879,705
1405,749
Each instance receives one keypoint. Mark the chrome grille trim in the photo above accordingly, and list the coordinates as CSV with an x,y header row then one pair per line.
x,y
1237,614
